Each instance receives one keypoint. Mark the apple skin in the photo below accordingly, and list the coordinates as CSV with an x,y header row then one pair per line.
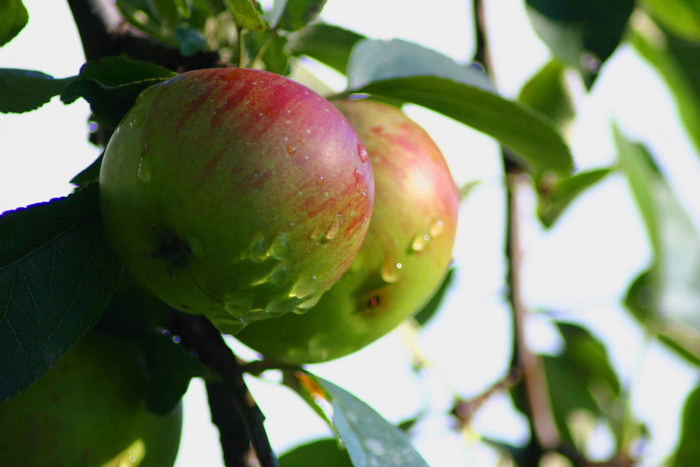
x,y
404,257
235,193
89,411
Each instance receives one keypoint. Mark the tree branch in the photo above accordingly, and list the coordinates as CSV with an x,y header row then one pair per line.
x,y
235,441
198,334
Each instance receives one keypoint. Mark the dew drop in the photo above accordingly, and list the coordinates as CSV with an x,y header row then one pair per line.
x,y
419,242
143,173
391,271
326,195
334,228
302,140
319,182
436,228
291,149
362,152
356,173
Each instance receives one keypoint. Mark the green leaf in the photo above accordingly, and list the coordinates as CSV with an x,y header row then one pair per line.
x,y
183,7
190,40
13,18
320,453
581,33
326,43
676,60
246,14
682,350
556,194
292,15
546,92
428,311
25,90
89,174
411,73
682,17
166,11
688,450
368,437
666,298
57,274
274,56
112,84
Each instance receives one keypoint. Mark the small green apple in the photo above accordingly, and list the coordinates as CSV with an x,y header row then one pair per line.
x,y
403,259
89,411
235,193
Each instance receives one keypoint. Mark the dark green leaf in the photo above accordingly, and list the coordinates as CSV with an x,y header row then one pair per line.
x,y
25,90
688,355
546,92
326,43
555,194
368,437
183,6
319,453
166,11
191,41
410,73
139,14
57,274
13,18
295,14
112,84
519,454
89,174
688,449
246,14
641,299
680,16
428,311
581,33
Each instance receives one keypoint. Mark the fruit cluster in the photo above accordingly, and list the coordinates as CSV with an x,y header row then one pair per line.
x,y
243,196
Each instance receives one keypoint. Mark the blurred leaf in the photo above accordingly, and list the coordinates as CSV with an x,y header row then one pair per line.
x,y
141,15
556,194
368,437
183,6
274,56
166,11
581,33
688,450
13,18
680,16
246,14
111,85
667,296
319,453
687,355
428,311
676,60
191,41
25,90
326,43
590,359
292,15
408,72
519,454
568,393
57,274
546,92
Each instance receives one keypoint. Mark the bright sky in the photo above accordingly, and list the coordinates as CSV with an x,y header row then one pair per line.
x,y
583,265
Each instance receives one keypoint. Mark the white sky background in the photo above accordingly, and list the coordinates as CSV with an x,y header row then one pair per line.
x,y
582,266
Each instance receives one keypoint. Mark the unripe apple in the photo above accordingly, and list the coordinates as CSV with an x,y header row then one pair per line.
x,y
235,193
88,410
404,257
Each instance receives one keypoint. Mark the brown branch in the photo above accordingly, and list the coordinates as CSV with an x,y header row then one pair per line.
x,y
199,335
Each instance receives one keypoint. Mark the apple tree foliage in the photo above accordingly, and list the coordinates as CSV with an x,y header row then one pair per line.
x,y
59,277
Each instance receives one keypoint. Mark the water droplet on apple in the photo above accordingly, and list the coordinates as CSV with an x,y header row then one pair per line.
x,y
319,182
291,149
391,271
333,230
436,228
303,288
356,173
362,152
419,242
136,120
143,172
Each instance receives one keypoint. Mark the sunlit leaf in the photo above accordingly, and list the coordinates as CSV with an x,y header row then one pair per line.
x,y
57,274
680,16
688,449
546,92
326,43
292,15
13,18
319,453
556,194
246,14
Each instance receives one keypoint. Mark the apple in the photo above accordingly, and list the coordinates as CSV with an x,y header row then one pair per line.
x,y
403,259
235,193
88,410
